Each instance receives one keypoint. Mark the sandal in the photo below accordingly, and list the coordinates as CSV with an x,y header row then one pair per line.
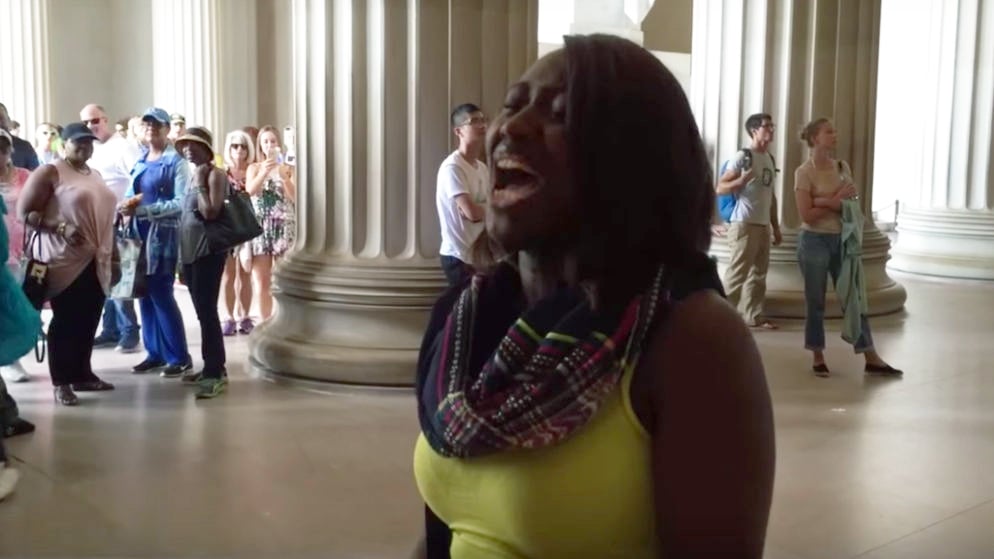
x,y
764,325
821,370
65,396
883,370
92,386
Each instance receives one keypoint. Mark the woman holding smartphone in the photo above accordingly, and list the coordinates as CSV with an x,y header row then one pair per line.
x,y
272,185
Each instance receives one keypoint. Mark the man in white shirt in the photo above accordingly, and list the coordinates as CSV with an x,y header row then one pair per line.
x,y
753,223
461,193
113,157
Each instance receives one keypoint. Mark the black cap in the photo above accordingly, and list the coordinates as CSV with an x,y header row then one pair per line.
x,y
76,131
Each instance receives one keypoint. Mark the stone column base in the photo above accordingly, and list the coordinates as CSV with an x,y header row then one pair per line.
x,y
346,320
785,286
947,243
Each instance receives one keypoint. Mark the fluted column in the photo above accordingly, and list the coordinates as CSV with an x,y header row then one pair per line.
x,y
24,62
205,61
375,81
944,161
613,17
796,61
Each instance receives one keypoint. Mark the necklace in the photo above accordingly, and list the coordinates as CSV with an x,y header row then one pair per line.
x,y
81,169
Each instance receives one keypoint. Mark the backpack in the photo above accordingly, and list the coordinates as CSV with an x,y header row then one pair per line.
x,y
726,202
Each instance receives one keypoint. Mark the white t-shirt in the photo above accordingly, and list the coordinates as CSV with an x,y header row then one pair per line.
x,y
457,176
755,200
115,159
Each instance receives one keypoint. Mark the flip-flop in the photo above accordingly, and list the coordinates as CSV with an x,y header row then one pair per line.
x,y
764,325
820,370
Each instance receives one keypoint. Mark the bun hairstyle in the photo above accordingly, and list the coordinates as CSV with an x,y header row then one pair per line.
x,y
811,130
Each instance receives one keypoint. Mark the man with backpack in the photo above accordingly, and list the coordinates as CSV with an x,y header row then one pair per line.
x,y
747,201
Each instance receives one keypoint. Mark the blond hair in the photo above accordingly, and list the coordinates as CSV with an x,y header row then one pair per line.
x,y
233,137
811,129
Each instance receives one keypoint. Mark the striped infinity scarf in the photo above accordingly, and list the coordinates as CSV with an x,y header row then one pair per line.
x,y
498,377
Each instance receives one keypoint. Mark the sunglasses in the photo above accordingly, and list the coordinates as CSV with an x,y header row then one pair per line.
x,y
94,121
239,146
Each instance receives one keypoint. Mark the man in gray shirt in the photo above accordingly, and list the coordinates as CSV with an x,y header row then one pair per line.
x,y
749,176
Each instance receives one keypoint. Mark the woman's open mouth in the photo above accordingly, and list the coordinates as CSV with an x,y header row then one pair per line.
x,y
514,181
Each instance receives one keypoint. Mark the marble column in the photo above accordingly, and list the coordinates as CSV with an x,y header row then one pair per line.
x,y
24,64
205,68
375,81
796,61
946,222
613,17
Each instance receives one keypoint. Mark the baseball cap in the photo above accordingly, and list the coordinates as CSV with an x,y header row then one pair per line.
x,y
176,117
156,114
76,131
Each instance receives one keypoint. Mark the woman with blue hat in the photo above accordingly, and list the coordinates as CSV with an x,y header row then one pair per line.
x,y
158,184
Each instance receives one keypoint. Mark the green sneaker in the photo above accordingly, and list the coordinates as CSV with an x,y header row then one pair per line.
x,y
210,387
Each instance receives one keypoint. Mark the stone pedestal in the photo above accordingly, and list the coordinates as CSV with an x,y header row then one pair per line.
x,y
796,61
375,82
24,87
946,168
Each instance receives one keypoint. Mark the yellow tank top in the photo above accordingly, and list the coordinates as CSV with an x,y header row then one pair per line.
x,y
590,496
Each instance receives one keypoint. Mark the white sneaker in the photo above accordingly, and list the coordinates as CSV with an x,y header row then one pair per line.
x,y
15,372
8,479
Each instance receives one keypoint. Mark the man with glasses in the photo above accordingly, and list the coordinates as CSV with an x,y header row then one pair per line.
x,y
461,193
753,221
113,157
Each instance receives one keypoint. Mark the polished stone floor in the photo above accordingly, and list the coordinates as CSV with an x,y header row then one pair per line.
x,y
866,468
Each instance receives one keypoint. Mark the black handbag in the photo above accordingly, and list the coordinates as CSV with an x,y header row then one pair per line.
x,y
235,224
35,284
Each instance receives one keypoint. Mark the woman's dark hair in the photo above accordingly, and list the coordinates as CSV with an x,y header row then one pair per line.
x,y
641,170
5,143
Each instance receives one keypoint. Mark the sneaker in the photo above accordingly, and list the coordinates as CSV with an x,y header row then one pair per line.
x,y
210,388
148,365
103,340
174,371
121,348
246,326
8,479
228,328
15,372
18,427
191,377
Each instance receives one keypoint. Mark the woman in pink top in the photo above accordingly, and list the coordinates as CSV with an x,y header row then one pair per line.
x,y
74,210
12,181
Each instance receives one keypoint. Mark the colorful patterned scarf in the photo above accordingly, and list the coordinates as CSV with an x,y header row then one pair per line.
x,y
499,377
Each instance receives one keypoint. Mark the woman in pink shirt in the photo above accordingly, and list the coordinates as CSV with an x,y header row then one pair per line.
x,y
69,203
12,181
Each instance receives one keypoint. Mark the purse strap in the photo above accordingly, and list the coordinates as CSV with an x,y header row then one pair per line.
x,y
29,242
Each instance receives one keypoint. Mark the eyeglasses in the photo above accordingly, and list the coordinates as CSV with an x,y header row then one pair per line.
x,y
476,121
239,146
769,126
152,124
94,121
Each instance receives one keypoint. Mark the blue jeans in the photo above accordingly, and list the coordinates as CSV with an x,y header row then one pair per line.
x,y
456,271
120,322
820,255
162,323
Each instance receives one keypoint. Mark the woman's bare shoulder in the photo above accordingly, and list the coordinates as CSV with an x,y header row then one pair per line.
x,y
702,341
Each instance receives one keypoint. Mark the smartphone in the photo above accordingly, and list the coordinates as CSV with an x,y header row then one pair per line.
x,y
290,141
276,154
